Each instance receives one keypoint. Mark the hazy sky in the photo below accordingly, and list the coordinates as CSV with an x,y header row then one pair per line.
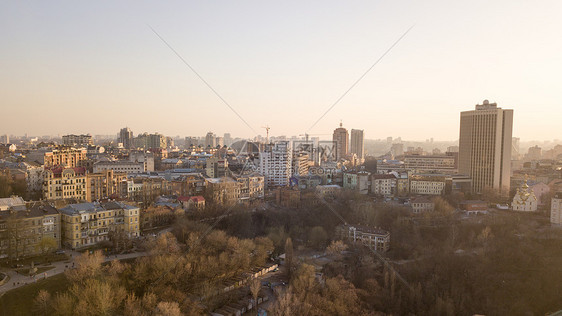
x,y
94,67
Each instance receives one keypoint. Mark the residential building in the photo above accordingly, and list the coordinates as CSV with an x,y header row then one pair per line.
x,y
86,224
341,140
356,145
22,228
210,140
146,158
383,184
104,185
68,157
556,209
275,164
374,238
223,190
216,167
150,141
126,138
300,164
252,186
65,183
485,147
357,181
192,202
77,140
427,184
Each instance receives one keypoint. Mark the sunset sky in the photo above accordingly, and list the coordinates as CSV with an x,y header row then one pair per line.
x,y
94,67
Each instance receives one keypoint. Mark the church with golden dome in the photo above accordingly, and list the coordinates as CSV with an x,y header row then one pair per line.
x,y
525,199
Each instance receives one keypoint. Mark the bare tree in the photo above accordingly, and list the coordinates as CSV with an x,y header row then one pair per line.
x,y
42,302
255,286
289,256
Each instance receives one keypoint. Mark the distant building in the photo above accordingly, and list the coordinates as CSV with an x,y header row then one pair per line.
x,y
383,184
427,184
223,190
422,204
126,138
434,163
485,147
128,167
275,164
210,140
534,153
216,167
556,209
357,145
341,139
68,157
77,140
151,141
357,181
147,159
373,238
328,190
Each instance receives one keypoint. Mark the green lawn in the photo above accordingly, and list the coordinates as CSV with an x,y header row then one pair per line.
x,y
20,301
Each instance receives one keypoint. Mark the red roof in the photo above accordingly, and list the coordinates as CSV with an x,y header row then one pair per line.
x,y
197,198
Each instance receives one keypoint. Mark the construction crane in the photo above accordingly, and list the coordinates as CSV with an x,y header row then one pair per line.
x,y
306,135
267,128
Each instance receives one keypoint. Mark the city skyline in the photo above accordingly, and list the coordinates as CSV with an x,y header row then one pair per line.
x,y
64,59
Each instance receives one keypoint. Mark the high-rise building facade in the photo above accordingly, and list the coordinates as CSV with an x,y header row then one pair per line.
x,y
126,138
275,164
341,139
357,143
485,147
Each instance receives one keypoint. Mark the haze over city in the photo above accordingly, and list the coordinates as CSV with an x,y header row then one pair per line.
x,y
95,67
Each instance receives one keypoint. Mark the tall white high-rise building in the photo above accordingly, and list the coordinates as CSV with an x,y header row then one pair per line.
x,y
357,144
485,146
275,164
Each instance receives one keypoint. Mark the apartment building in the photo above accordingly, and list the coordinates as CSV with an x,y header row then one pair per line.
x,y
86,224
104,185
556,209
129,167
251,186
222,190
68,157
357,181
65,183
275,164
77,140
383,184
23,227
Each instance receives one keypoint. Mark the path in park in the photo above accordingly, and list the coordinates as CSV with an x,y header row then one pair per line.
x,y
60,267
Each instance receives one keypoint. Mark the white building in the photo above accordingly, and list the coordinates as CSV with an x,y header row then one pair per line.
x,y
275,164
383,184
556,209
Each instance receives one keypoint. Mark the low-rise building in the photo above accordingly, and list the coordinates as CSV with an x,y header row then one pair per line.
x,y
374,238
86,224
357,181
23,227
422,204
427,184
223,190
192,202
328,190
65,183
128,167
383,184
252,186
